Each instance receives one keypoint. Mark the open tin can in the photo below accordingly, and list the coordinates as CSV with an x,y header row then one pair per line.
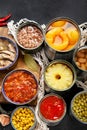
x,y
28,34
61,30
52,109
80,62
78,107
59,76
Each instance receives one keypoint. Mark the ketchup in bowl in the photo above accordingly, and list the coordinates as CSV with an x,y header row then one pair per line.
x,y
52,109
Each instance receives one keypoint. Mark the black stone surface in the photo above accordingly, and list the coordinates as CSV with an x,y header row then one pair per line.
x,y
43,11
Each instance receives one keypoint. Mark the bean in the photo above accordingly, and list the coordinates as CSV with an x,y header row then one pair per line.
x,y
78,64
83,66
86,64
80,54
86,56
81,60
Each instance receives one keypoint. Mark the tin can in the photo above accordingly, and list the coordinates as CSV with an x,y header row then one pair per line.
x,y
56,113
59,76
52,53
28,34
78,107
80,62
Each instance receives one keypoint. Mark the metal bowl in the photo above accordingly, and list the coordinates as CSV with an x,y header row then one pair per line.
x,y
26,23
5,55
58,76
50,106
18,115
60,54
22,89
81,72
78,107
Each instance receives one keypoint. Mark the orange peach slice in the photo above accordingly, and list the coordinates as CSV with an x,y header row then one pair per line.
x,y
69,47
53,32
73,35
63,44
58,23
59,45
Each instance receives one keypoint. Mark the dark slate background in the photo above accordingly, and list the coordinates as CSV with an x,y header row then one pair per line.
x,y
43,11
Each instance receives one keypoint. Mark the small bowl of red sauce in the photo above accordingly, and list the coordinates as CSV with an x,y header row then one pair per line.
x,y
52,109
19,87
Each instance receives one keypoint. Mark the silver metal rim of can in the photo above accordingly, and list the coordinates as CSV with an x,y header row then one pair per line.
x,y
69,20
71,104
72,69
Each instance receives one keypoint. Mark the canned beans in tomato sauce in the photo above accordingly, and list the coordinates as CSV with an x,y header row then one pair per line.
x,y
20,86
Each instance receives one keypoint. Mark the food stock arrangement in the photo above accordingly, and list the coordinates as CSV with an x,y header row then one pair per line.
x,y
39,64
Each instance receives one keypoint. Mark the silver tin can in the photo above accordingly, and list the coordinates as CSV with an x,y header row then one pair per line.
x,y
15,28
56,54
81,73
48,121
58,75
78,107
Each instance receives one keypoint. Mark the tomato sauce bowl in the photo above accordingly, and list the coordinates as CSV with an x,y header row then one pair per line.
x,y
19,87
52,109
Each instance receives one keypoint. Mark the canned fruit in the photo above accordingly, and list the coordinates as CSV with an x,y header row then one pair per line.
x,y
60,37
73,35
55,31
66,33
79,106
59,76
30,36
58,23
81,59
23,118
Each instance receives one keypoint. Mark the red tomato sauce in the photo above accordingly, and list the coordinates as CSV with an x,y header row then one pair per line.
x,y
20,87
52,107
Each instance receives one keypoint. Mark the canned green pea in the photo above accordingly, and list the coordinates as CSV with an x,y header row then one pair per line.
x,y
79,107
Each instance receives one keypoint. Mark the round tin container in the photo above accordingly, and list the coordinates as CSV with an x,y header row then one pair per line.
x,y
57,54
54,107
18,90
81,73
78,107
10,42
24,23
17,110
58,77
